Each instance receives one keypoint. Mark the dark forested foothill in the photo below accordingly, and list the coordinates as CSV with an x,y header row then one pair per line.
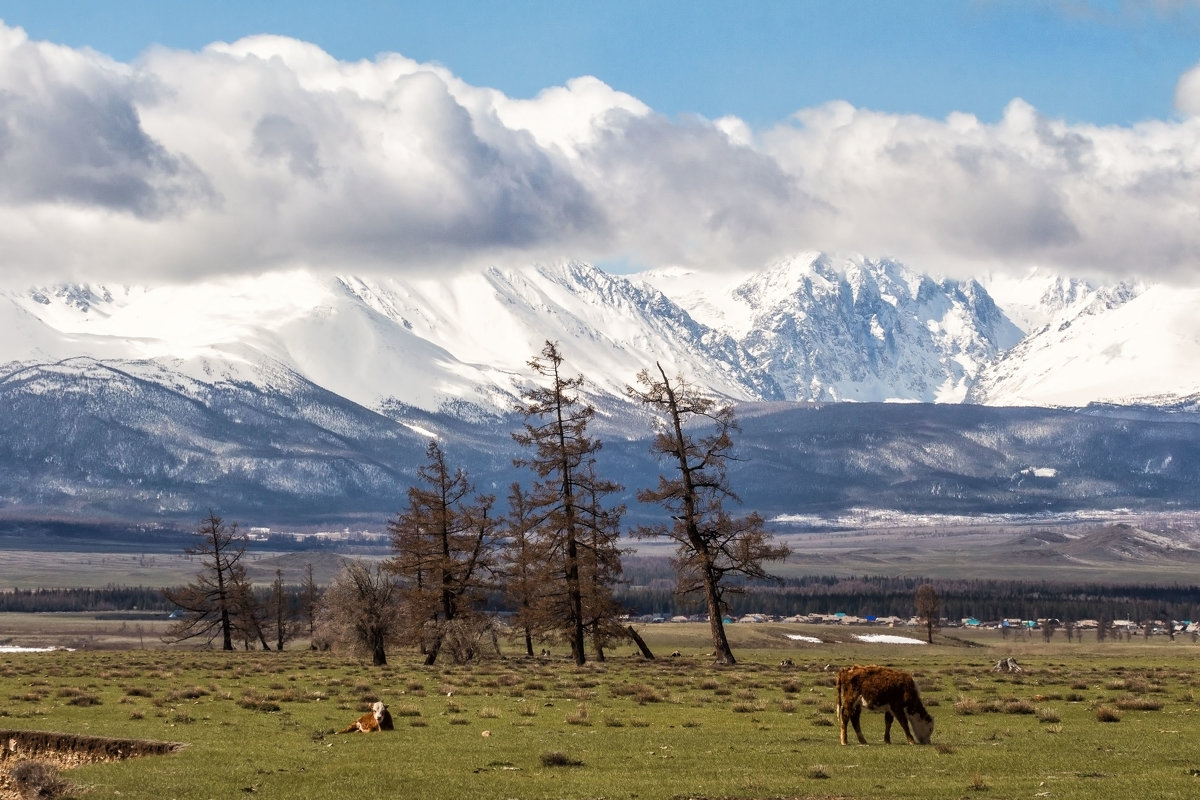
x,y
959,599
856,596
111,598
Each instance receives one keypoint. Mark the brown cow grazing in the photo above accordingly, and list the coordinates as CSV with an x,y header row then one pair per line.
x,y
893,691
380,719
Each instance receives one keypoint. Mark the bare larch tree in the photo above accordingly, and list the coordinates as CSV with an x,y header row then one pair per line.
x,y
211,605
563,499
310,601
283,615
521,565
361,608
445,557
600,564
927,603
712,544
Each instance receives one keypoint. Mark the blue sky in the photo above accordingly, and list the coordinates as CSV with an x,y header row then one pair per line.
x,y
1112,62
149,140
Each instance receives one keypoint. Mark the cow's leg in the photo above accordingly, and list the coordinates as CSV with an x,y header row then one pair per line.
x,y
855,713
887,727
902,718
842,717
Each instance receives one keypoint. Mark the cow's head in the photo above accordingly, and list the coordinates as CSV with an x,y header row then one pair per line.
x,y
922,727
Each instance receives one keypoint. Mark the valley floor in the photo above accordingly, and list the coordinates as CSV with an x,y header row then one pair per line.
x,y
1079,722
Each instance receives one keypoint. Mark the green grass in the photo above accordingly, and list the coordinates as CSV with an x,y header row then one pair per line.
x,y
261,724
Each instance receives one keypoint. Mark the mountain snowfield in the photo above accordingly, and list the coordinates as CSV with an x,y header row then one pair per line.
x,y
308,398
809,328
1121,346
857,329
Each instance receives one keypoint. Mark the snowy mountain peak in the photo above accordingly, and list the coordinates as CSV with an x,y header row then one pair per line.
x,y
813,326
1039,298
828,328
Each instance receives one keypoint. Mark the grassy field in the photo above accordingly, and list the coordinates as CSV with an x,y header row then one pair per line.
x,y
1083,721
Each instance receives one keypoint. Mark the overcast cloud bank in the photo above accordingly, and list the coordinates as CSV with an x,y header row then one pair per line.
x,y
268,153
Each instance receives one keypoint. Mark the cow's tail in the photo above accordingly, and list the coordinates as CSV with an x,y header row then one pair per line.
x,y
840,701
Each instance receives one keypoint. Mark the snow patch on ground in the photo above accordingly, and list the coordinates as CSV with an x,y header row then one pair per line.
x,y
885,638
8,648
799,637
1040,472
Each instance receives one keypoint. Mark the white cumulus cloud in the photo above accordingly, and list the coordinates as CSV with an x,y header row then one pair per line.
x,y
268,152
1187,93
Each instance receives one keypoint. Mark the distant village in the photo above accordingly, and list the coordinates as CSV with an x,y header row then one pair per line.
x,y
1118,628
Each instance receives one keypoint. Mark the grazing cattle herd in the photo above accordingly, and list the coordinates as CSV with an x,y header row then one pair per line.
x,y
886,689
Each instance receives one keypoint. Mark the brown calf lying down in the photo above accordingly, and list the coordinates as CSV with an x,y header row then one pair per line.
x,y
882,688
380,719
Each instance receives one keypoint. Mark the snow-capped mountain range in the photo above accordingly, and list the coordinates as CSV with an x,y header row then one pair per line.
x,y
806,328
295,388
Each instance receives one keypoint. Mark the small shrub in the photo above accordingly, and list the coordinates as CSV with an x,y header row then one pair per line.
x,y
1130,703
555,758
966,706
818,772
1047,714
252,701
1106,714
978,784
646,694
38,779
1018,707
580,717
30,697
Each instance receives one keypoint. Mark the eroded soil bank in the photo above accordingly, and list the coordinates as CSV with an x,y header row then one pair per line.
x,y
67,750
